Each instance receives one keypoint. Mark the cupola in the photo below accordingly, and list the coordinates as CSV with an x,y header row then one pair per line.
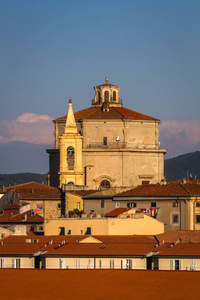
x,y
107,93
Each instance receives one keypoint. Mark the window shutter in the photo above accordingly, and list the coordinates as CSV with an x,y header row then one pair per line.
x,y
130,264
89,263
100,263
172,264
123,264
2,262
13,263
180,264
193,264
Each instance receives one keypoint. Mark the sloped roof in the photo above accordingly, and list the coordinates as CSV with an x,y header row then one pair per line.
x,y
34,190
97,113
26,217
185,235
16,205
156,190
117,211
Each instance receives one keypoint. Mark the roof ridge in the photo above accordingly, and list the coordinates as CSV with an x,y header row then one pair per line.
x,y
185,189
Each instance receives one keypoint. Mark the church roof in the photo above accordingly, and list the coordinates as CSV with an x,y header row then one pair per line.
x,y
96,113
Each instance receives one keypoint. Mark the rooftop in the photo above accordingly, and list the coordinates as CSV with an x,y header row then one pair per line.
x,y
121,284
114,113
167,189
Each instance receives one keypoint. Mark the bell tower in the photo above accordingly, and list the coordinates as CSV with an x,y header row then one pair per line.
x,y
71,170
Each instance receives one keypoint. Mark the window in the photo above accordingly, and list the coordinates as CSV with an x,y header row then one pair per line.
x,y
88,231
197,204
114,96
2,262
102,203
70,158
59,205
32,228
105,184
117,205
175,219
197,218
81,232
106,96
126,264
176,264
69,232
131,204
41,228
153,204
175,204
105,141
62,263
62,231
78,205
145,181
39,205
100,264
77,263
89,263
112,263
193,264
16,263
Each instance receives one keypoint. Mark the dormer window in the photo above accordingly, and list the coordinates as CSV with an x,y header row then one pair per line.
x,y
106,96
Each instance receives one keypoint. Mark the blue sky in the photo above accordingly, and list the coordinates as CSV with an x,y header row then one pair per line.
x,y
53,50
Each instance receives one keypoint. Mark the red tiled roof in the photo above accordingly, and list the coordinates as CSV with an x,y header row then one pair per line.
x,y
26,217
16,205
156,190
113,113
117,211
99,284
186,236
34,190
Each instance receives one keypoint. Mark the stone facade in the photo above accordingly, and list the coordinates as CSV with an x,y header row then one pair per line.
x,y
120,147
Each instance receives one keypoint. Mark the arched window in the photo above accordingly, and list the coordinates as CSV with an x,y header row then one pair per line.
x,y
105,184
70,158
106,96
70,183
114,96
99,96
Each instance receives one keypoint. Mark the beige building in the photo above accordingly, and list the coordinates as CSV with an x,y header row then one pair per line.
x,y
106,145
119,222
176,204
44,200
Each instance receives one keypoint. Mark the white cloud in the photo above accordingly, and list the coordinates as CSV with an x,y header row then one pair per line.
x,y
30,128
180,136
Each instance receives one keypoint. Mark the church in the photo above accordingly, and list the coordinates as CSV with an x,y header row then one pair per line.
x,y
106,145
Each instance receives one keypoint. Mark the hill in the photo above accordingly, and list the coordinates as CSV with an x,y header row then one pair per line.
x,y
175,168
182,166
12,179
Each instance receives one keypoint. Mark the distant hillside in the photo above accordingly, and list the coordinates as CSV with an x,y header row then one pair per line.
x,y
175,168
181,166
12,179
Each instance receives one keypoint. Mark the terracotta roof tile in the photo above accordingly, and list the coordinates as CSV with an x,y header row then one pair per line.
x,y
113,113
26,217
16,205
185,235
155,190
117,211
34,190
